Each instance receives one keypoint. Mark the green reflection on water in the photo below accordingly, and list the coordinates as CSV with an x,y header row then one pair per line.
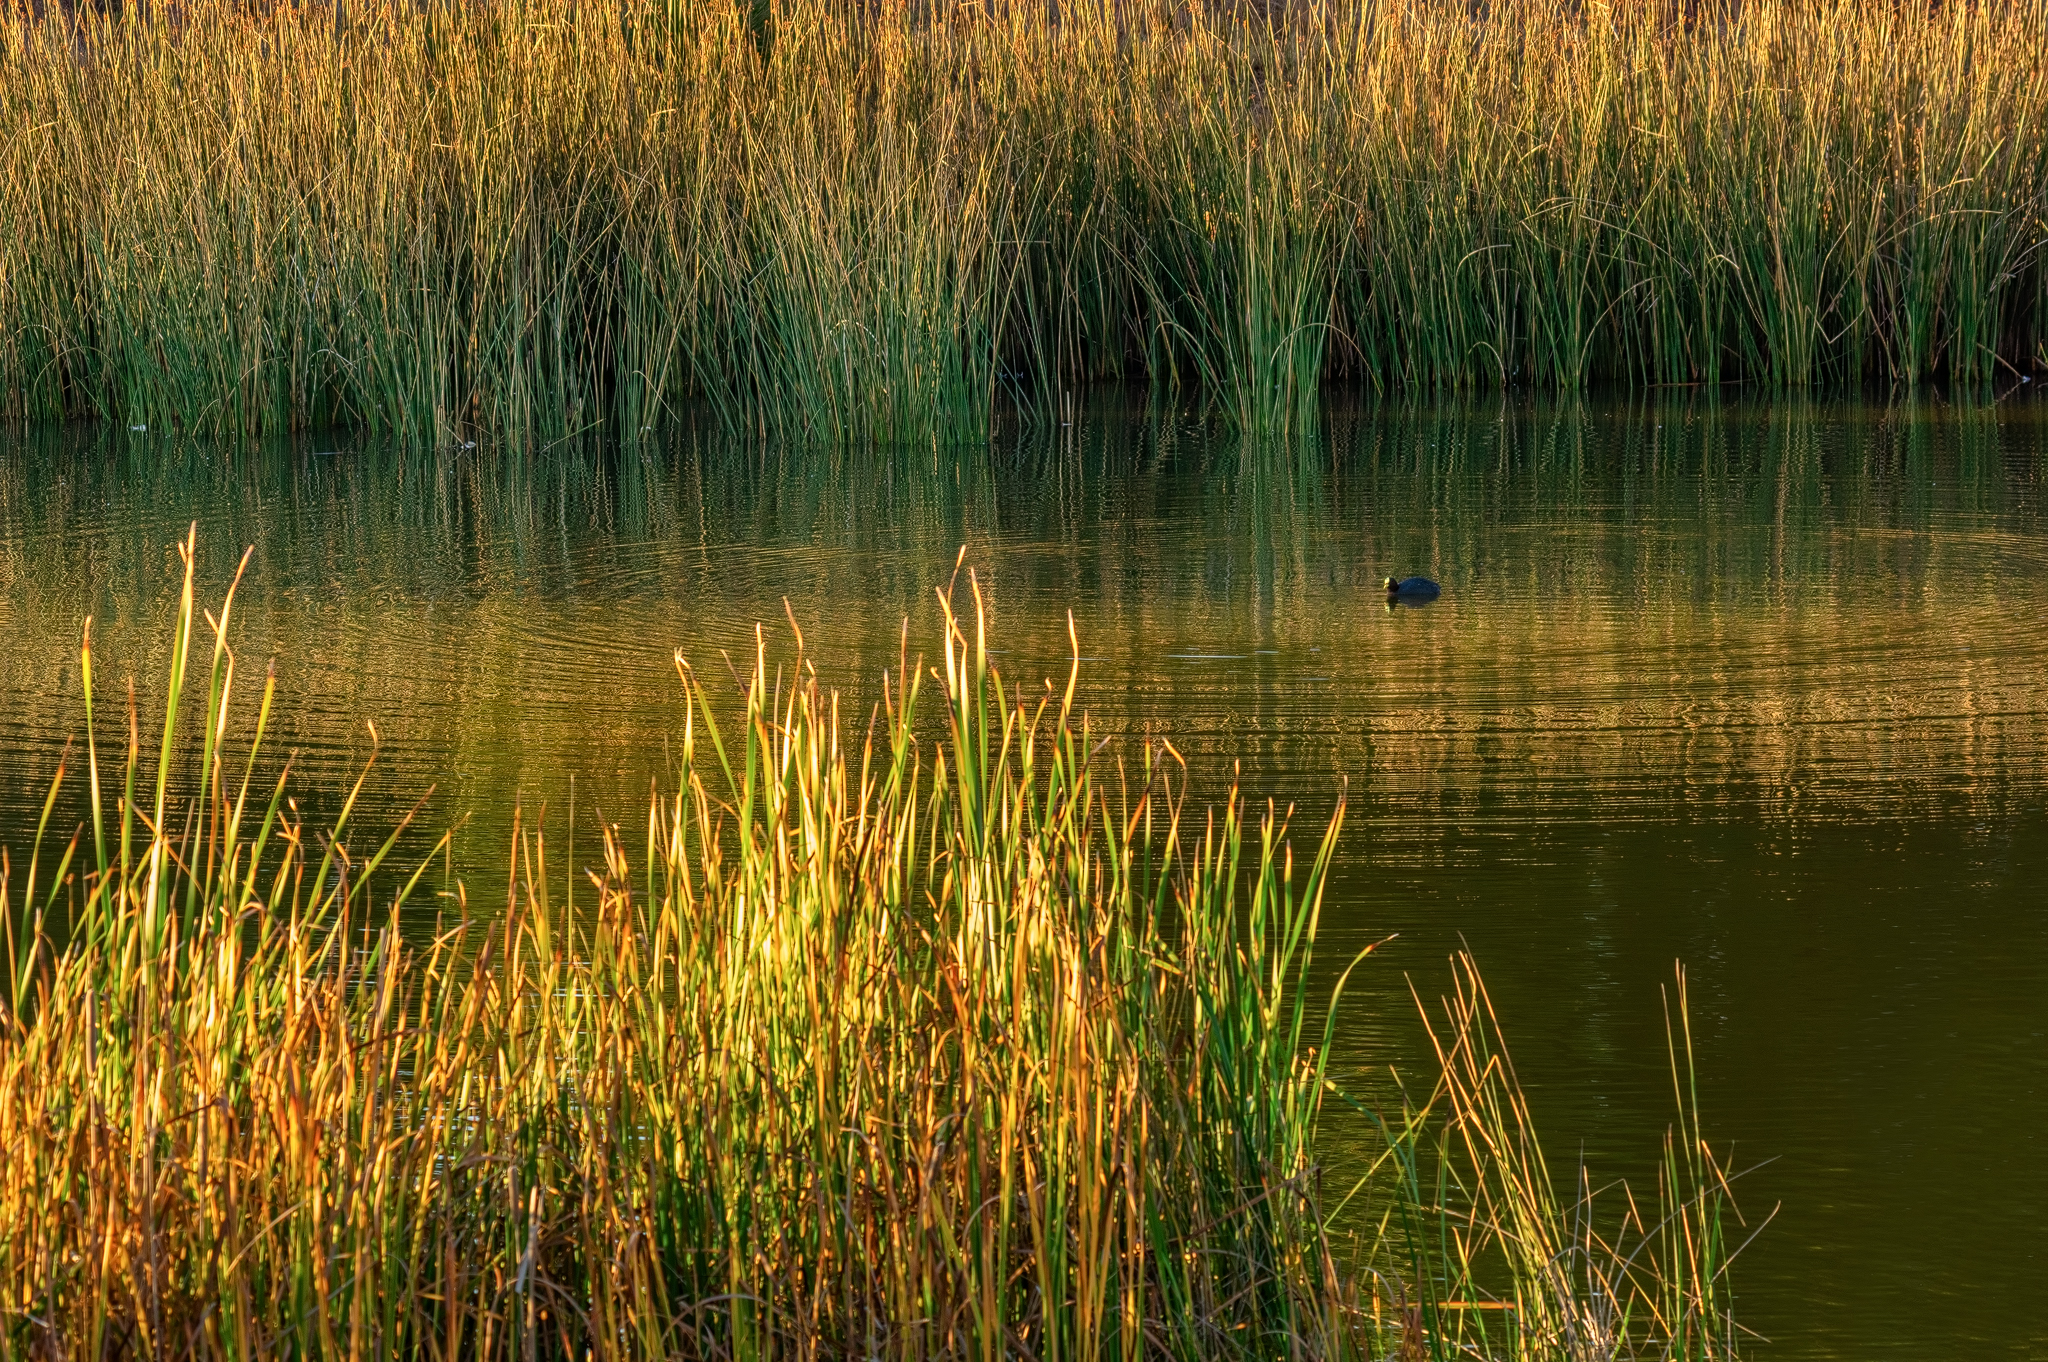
x,y
1758,686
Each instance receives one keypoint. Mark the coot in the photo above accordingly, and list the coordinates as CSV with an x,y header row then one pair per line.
x,y
1412,589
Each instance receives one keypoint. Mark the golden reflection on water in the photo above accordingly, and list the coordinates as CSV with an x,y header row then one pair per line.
x,y
1648,612
1759,685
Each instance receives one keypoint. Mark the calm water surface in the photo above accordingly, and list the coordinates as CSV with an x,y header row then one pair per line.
x,y
1762,688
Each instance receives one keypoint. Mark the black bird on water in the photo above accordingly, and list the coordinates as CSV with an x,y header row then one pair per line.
x,y
1412,589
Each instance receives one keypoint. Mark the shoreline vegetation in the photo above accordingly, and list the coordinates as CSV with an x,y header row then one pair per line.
x,y
916,1040
899,222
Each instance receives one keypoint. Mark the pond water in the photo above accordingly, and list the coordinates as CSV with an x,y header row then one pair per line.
x,y
1762,687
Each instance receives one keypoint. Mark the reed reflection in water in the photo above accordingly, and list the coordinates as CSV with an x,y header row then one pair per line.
x,y
1754,685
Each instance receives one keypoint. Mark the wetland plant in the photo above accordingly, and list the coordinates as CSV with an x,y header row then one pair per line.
x,y
845,221
902,1039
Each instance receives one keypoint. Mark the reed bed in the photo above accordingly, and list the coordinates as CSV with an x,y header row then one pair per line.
x,y
850,220
927,1043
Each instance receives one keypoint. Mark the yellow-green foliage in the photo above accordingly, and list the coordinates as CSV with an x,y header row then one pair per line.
x,y
872,219
953,1041
863,1049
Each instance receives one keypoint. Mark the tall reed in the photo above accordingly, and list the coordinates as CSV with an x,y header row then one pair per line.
x,y
910,1043
864,1051
1487,1258
858,221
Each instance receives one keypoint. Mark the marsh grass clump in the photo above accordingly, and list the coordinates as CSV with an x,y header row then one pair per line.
x,y
1477,1252
844,221
902,1040
865,1048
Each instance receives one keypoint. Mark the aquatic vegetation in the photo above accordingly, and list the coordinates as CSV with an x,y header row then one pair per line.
x,y
951,1043
884,222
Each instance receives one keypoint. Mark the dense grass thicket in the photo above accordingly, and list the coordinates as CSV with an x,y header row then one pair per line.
x,y
883,220
956,1041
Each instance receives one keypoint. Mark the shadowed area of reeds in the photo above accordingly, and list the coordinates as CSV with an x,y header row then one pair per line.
x,y
934,1042
855,221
